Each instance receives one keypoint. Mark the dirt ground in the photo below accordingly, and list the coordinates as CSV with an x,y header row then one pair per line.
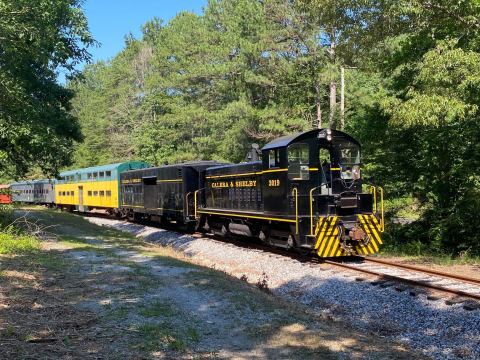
x,y
96,293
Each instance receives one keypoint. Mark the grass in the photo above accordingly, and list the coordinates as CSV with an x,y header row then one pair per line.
x,y
160,336
12,243
437,259
158,309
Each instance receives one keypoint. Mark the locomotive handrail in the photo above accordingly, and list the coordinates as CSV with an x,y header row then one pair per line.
x,y
295,193
186,201
195,201
373,191
311,208
382,215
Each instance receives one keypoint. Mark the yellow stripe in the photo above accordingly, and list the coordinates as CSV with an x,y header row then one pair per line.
x,y
323,240
377,227
331,238
372,228
232,175
272,170
246,216
330,229
322,232
335,169
371,244
313,169
336,243
171,180
318,226
365,226
360,250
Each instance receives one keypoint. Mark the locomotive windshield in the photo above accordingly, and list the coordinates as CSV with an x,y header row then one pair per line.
x,y
349,161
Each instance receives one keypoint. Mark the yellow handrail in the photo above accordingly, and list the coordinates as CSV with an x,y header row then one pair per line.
x,y
295,193
311,209
382,218
186,200
373,191
195,202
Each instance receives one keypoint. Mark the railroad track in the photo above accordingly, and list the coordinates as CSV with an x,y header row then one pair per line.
x,y
460,286
463,288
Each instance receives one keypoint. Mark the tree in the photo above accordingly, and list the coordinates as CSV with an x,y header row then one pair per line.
x,y
37,41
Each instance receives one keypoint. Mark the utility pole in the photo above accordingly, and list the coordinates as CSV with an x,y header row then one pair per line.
x,y
319,107
342,98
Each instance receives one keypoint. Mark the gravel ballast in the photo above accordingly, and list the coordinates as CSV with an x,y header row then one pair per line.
x,y
438,330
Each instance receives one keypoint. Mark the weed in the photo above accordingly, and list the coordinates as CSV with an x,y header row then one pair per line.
x,y
161,335
158,309
9,331
262,283
13,243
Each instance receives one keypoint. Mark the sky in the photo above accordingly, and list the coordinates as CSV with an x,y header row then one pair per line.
x,y
110,20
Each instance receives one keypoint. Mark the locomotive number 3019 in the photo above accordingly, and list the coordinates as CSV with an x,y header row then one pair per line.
x,y
274,182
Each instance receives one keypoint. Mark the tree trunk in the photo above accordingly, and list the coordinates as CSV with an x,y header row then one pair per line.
x,y
342,98
333,104
333,86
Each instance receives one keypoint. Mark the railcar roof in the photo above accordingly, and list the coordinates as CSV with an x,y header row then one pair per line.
x,y
31,182
108,167
223,166
288,139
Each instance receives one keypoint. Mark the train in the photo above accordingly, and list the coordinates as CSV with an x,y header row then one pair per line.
x,y
5,196
302,192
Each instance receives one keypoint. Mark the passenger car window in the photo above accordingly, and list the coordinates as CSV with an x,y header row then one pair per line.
x,y
298,161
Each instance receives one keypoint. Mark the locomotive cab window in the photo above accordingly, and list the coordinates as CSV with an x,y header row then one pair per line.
x,y
298,161
325,163
273,159
349,161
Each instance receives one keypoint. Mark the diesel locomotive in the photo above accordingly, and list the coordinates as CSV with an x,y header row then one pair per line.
x,y
306,193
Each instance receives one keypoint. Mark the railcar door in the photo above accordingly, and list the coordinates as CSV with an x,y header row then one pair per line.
x,y
150,192
80,198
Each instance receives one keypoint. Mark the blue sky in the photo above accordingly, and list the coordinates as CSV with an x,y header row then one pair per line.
x,y
110,20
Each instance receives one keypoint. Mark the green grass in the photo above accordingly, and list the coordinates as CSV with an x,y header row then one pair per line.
x,y
161,336
158,309
11,243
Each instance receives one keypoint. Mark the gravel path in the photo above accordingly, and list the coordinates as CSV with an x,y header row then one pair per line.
x,y
438,330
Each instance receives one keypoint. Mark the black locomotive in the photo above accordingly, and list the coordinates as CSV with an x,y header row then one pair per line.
x,y
305,193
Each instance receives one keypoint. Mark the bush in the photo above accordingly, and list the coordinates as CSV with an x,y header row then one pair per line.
x,y
11,242
12,239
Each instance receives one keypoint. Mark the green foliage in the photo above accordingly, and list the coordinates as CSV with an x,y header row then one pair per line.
x,y
207,86
11,242
37,40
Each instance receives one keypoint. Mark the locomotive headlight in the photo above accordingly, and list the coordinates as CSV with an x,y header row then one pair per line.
x,y
329,137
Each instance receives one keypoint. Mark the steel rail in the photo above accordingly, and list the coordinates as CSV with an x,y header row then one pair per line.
x,y
313,260
407,281
427,271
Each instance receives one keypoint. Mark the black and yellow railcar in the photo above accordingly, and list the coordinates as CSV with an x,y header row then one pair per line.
x,y
164,194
